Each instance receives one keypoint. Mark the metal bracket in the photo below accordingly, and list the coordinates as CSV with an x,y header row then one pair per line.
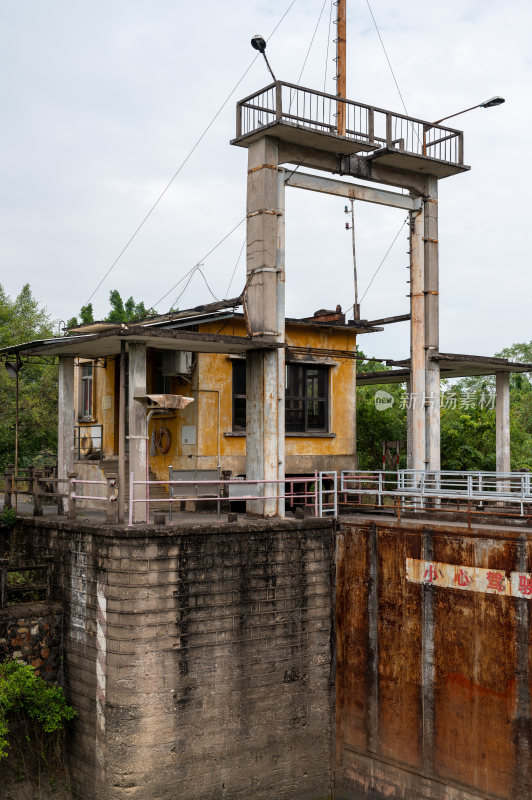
x,y
262,166
272,211
434,241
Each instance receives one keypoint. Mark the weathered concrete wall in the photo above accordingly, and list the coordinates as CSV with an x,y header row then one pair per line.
x,y
433,677
198,659
32,633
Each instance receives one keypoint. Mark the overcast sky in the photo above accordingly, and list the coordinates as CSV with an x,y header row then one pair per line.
x,y
102,101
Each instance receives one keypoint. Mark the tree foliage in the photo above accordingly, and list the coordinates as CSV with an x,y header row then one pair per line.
x,y
23,691
120,311
467,419
23,320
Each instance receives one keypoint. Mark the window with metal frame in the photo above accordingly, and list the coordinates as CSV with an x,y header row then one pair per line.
x,y
239,395
86,391
307,398
307,402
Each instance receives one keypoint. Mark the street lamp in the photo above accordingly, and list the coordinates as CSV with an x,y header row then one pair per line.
x,y
259,43
493,101
13,371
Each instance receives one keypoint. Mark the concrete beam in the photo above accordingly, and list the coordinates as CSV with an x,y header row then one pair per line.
x,y
502,421
138,429
315,183
65,424
360,167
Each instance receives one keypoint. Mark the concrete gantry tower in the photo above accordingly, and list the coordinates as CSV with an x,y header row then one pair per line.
x,y
288,124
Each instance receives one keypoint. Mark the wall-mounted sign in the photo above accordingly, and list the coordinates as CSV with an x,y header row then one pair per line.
x,y
469,579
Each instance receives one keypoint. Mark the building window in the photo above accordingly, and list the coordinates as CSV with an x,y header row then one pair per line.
x,y
239,395
307,390
306,398
86,391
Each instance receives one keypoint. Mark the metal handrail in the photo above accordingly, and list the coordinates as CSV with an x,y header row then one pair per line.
x,y
398,131
483,487
320,503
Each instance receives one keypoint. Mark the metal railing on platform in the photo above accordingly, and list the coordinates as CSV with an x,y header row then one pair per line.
x,y
372,127
437,490
317,492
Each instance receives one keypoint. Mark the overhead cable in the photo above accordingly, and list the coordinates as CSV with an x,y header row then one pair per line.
x,y
187,157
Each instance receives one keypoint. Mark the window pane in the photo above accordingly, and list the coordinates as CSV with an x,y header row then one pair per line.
x,y
295,415
295,380
316,415
239,377
239,413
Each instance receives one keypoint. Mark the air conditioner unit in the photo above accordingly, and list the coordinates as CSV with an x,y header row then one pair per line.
x,y
177,362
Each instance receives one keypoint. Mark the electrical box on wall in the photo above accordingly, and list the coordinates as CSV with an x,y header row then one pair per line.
x,y
177,362
188,434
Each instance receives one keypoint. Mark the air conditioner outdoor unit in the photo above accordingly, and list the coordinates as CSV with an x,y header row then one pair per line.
x,y
177,362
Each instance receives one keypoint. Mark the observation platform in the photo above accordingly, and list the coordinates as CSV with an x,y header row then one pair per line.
x,y
309,118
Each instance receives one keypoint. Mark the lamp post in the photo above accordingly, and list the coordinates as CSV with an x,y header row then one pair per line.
x,y
259,43
13,371
493,101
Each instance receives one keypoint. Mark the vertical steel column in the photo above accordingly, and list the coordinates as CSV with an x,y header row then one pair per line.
x,y
265,377
417,338
502,421
65,426
138,429
432,335
341,66
409,424
122,434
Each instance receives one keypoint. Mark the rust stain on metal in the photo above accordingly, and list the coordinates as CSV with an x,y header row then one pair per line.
x,y
460,718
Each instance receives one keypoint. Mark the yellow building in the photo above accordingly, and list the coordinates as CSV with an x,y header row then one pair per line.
x,y
211,431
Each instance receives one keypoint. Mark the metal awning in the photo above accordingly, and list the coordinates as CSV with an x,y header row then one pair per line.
x,y
107,343
452,365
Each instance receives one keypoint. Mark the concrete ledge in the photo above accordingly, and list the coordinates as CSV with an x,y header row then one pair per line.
x,y
205,528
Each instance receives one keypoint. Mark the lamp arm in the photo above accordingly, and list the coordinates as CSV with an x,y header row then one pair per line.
x,y
457,114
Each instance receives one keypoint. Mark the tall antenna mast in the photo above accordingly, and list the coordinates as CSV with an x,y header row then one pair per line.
x,y
341,65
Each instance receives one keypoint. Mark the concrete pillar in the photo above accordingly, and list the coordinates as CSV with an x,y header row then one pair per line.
x,y
432,335
138,429
417,339
502,421
65,424
265,381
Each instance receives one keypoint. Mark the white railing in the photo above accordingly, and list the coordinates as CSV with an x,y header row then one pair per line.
x,y
481,487
320,492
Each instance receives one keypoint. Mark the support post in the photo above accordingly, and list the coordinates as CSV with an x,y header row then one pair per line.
x,y
265,370
341,70
71,507
417,338
432,336
138,430
111,509
409,424
37,489
122,435
65,427
8,487
502,421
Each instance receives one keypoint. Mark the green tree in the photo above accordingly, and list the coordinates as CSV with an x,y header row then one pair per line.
x,y
375,424
22,320
120,311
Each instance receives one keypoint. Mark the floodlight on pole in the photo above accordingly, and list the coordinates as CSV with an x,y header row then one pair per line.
x,y
258,42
